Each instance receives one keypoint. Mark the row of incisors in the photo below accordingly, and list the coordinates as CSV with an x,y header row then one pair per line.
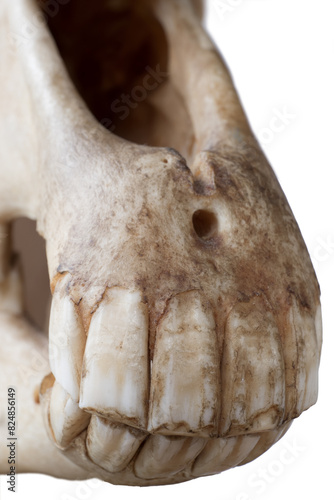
x,y
115,447
190,388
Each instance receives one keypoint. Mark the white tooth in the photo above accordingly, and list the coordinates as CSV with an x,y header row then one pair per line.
x,y
67,420
163,456
253,371
116,369
221,454
266,441
112,446
185,372
66,340
302,351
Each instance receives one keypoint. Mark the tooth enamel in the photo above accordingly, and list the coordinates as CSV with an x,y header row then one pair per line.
x,y
163,456
253,371
221,454
112,446
267,439
67,420
115,370
66,341
185,371
301,350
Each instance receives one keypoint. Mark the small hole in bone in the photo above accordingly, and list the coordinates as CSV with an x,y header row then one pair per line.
x,y
205,224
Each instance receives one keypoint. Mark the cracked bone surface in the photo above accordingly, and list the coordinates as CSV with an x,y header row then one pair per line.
x,y
185,326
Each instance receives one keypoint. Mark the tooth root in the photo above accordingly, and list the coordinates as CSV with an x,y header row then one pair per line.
x,y
302,352
185,371
67,420
221,454
66,340
112,446
253,371
116,369
163,456
266,441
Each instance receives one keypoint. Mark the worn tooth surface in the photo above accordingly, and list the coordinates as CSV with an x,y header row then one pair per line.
x,y
301,351
67,420
66,340
267,439
221,454
185,371
116,370
112,446
253,371
163,456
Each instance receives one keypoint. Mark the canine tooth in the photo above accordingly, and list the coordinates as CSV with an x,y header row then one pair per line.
x,y
66,341
185,371
301,350
253,371
112,446
115,372
67,420
163,456
221,454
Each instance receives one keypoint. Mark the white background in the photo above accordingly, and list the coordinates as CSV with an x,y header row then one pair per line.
x,y
281,56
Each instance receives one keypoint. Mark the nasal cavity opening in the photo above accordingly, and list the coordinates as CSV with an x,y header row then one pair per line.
x,y
116,53
205,224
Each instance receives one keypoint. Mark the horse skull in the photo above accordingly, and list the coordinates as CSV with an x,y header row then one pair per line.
x,y
185,328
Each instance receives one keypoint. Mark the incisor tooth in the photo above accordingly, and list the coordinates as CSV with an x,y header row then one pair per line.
x,y
112,446
185,372
221,454
253,371
163,456
267,439
116,370
301,351
66,340
67,420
